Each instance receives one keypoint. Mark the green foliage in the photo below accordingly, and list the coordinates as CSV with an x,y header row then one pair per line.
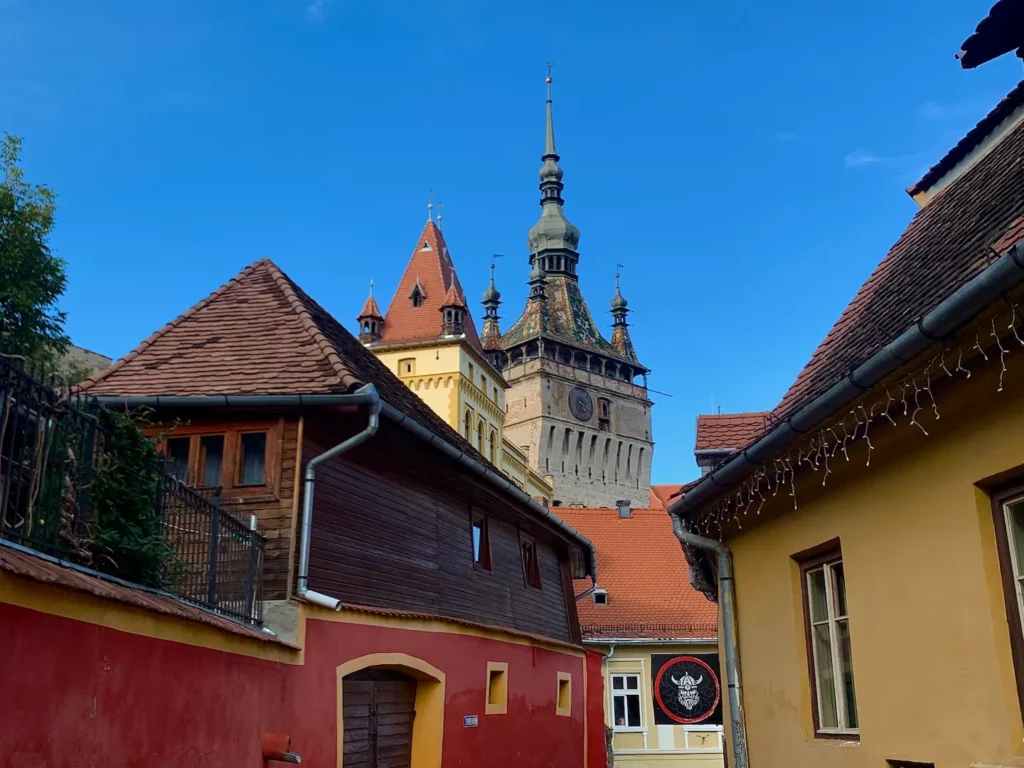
x,y
32,279
129,538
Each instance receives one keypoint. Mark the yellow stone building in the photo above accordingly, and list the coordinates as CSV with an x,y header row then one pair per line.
x,y
428,339
873,528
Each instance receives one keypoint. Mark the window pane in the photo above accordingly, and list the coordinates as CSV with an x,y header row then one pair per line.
x,y
846,672
177,457
212,451
839,588
632,682
620,710
826,679
254,454
617,683
478,532
1015,529
633,711
816,594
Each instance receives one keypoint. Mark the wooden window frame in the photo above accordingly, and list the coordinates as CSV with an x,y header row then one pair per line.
x,y
484,564
624,693
231,460
1011,602
827,553
528,577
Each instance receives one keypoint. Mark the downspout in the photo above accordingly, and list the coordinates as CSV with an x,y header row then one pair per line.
x,y
366,395
727,599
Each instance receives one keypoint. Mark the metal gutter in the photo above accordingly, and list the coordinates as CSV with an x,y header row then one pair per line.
x,y
730,643
494,478
951,314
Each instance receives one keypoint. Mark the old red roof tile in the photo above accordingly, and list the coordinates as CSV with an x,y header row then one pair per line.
x,y
643,569
729,431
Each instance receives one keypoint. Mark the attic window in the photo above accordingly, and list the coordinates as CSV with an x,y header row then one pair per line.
x,y
600,597
417,296
425,246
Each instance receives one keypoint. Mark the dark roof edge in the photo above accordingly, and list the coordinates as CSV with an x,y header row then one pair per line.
x,y
1010,103
951,314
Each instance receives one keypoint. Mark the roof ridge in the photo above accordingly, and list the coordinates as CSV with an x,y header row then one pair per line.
x,y
310,325
159,333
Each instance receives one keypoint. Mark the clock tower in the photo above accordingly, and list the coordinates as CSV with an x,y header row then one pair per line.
x,y
578,405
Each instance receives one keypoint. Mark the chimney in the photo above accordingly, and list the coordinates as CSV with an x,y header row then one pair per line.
x,y
623,507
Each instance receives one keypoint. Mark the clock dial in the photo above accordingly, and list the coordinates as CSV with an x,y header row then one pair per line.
x,y
580,404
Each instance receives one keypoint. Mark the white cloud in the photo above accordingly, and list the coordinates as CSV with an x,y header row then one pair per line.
x,y
932,111
861,158
315,10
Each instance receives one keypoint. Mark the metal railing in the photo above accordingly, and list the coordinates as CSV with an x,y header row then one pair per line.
x,y
50,445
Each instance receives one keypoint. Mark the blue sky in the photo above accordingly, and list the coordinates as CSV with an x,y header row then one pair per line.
x,y
746,162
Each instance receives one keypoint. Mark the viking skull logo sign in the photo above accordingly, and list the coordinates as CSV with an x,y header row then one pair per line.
x,y
688,695
686,689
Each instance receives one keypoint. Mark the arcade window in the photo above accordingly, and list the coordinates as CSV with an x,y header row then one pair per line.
x,y
827,623
481,543
531,565
626,702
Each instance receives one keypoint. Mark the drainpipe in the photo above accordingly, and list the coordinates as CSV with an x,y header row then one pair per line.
x,y
366,395
727,599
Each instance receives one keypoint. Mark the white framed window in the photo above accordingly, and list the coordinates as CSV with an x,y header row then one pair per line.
x,y
1013,513
828,626
627,710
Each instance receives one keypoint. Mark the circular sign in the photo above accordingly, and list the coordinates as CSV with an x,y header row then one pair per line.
x,y
580,404
687,689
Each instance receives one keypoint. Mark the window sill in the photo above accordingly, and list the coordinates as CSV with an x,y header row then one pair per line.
x,y
625,729
852,737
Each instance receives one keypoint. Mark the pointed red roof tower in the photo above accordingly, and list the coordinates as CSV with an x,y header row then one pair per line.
x,y
416,311
370,320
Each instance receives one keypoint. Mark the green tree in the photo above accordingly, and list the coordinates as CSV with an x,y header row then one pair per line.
x,y
32,278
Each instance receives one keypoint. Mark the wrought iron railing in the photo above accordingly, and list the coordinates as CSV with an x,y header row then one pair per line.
x,y
50,445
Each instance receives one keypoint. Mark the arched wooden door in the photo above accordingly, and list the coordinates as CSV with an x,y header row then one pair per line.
x,y
379,708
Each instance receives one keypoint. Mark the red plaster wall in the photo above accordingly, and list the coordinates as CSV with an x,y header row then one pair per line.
x,y
597,751
77,694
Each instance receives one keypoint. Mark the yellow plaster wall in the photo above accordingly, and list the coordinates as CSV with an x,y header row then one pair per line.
x,y
666,745
930,642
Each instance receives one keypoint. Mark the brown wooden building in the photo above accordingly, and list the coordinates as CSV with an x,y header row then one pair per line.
x,y
373,507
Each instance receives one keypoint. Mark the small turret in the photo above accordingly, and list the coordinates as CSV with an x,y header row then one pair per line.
x,y
492,331
538,279
453,312
370,320
621,342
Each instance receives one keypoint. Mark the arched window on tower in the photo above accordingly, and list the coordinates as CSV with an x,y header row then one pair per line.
x,y
493,448
468,426
480,435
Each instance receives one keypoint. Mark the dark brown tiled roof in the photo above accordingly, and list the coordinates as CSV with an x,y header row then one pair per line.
x,y
431,266
998,33
46,571
260,334
729,431
951,239
646,575
1013,101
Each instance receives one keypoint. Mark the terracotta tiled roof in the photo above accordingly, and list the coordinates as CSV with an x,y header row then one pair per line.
x,y
729,431
431,267
950,241
260,334
1010,104
642,566
370,308
46,571
565,317
453,297
662,494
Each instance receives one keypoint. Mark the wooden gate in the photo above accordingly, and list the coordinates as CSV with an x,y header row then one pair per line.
x,y
378,711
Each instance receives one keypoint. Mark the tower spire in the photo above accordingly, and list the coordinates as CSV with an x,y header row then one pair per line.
x,y
491,337
549,137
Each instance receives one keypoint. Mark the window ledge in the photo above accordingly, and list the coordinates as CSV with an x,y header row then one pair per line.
x,y
624,729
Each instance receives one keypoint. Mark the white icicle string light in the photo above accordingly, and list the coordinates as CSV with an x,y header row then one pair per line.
x,y
818,449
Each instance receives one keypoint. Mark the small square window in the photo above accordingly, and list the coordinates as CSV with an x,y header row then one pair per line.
x,y
496,702
563,703
407,366
600,597
531,565
254,459
481,543
211,460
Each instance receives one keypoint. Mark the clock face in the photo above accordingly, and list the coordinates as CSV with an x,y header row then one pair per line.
x,y
580,404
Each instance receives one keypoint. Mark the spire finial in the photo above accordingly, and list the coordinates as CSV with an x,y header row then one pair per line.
x,y
430,206
371,286
440,213
549,138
